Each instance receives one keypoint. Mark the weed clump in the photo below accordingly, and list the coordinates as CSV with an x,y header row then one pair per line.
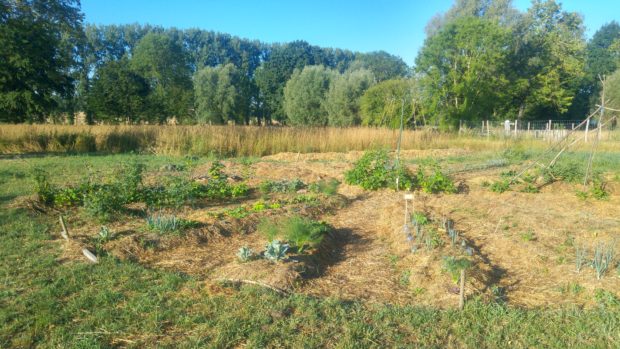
x,y
301,232
375,170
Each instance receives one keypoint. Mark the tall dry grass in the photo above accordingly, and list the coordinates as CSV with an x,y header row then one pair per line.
x,y
234,140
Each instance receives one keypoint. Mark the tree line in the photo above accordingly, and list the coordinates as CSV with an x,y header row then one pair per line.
x,y
482,59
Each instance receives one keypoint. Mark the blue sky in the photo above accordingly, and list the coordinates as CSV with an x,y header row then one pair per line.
x,y
395,26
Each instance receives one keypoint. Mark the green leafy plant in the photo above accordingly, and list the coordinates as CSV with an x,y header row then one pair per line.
x,y
434,181
432,239
275,251
43,188
375,170
283,186
245,254
453,266
327,187
500,186
418,218
303,232
599,190
104,234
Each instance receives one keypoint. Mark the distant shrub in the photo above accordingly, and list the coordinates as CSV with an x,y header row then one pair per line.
x,y
434,181
283,186
43,188
375,170
500,186
327,187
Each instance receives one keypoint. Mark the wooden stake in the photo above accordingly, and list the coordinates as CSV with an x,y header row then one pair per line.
x,y
64,233
91,256
462,290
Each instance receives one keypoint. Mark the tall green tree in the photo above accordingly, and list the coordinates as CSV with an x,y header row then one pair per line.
x,y
273,74
164,64
548,61
500,11
218,99
118,94
304,96
462,71
343,98
383,65
384,103
37,55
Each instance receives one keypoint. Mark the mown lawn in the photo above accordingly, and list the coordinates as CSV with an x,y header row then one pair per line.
x,y
47,302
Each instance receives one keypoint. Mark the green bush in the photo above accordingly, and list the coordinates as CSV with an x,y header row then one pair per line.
x,y
329,187
303,232
44,190
375,170
500,186
283,186
569,171
434,181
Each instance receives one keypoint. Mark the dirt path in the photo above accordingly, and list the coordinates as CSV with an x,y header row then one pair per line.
x,y
360,265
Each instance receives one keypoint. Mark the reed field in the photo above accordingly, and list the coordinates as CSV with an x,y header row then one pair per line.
x,y
230,141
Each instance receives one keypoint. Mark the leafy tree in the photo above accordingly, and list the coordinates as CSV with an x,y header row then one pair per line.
x,y
163,63
462,70
304,95
272,76
118,94
547,64
36,56
383,65
500,11
612,92
217,97
343,99
383,103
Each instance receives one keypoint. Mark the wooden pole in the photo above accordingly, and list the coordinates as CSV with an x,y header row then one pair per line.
x,y
587,130
516,122
65,232
488,130
462,290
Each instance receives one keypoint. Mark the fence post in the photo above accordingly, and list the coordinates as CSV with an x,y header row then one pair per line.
x,y
516,122
587,129
488,130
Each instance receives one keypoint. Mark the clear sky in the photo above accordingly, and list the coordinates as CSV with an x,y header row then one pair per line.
x,y
395,26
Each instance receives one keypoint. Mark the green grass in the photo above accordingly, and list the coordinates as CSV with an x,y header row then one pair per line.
x,y
49,303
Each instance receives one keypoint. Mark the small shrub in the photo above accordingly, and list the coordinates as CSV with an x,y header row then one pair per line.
x,y
245,254
375,170
43,188
283,186
303,232
453,267
103,202
418,218
435,181
325,187
599,191
275,251
570,171
500,186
